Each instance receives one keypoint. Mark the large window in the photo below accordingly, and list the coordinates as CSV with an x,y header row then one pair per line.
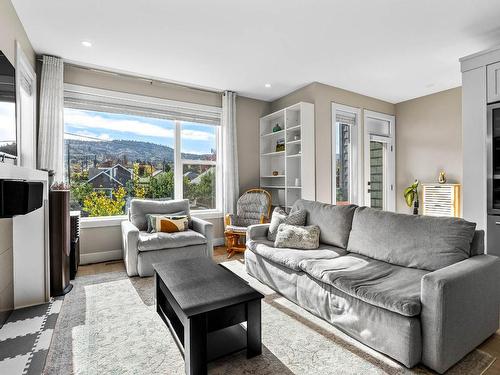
x,y
112,157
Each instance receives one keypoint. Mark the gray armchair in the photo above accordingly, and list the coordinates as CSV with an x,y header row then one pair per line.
x,y
141,249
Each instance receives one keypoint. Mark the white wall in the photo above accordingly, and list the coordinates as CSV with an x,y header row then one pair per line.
x,y
11,30
428,140
6,272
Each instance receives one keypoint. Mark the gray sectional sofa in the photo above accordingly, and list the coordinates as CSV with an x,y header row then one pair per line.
x,y
416,288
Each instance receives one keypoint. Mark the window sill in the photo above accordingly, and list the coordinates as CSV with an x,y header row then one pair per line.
x,y
115,221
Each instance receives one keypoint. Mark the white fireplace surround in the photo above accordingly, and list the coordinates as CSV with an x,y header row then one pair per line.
x,y
30,243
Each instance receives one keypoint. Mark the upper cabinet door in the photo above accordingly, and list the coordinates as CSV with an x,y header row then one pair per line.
x,y
493,77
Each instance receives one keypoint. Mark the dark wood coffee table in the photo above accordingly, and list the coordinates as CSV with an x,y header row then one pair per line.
x,y
203,304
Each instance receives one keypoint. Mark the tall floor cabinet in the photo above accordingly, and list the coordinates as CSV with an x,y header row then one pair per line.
x,y
287,154
481,143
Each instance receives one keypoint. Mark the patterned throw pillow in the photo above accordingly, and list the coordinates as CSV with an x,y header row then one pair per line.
x,y
297,237
280,216
151,219
171,224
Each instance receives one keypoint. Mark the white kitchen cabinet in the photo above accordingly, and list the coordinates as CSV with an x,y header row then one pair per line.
x,y
493,82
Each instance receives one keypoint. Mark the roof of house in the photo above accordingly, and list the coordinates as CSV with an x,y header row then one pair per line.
x,y
107,171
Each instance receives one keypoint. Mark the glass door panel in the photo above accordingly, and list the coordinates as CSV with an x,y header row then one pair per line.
x,y
343,164
377,178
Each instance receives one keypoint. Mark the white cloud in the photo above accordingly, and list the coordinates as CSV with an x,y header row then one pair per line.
x,y
85,135
7,121
85,120
197,135
105,137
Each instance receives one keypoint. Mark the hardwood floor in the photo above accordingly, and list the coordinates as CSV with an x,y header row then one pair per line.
x,y
490,346
118,265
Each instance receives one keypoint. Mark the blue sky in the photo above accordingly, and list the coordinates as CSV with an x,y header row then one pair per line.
x,y
7,122
196,138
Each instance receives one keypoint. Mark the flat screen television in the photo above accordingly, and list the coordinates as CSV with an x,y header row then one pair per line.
x,y
8,127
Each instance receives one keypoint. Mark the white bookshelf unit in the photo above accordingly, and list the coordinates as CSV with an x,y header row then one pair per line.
x,y
295,165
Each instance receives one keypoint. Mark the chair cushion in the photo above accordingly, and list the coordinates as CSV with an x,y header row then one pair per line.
x,y
334,222
140,207
156,241
423,242
250,207
235,228
291,258
375,282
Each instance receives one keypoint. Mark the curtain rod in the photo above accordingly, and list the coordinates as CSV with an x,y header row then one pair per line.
x,y
137,77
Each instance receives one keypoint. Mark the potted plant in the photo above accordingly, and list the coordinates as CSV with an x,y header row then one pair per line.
x,y
411,196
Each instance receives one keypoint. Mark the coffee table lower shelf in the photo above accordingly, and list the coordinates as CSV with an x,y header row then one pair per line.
x,y
220,343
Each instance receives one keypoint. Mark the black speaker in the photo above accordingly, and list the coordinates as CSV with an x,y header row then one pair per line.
x,y
19,197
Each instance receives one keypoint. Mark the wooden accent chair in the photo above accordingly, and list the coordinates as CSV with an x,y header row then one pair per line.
x,y
253,207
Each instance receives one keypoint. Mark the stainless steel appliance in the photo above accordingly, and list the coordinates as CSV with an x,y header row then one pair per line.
x,y
493,173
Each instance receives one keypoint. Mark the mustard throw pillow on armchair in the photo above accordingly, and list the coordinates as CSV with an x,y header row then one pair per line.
x,y
171,224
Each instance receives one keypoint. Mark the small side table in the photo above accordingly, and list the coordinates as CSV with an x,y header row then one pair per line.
x,y
233,242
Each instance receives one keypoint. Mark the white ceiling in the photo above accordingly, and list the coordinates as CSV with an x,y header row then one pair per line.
x,y
389,49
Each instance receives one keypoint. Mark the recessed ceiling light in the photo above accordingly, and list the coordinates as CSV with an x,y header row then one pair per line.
x,y
267,85
86,43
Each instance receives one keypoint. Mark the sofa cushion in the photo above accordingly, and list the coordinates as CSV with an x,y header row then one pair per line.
x,y
423,242
291,258
156,241
378,283
334,222
140,207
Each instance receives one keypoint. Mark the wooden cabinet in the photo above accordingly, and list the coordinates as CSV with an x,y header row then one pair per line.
x,y
493,82
441,199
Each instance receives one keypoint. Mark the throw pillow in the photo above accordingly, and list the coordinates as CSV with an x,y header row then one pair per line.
x,y
171,224
280,216
151,219
297,237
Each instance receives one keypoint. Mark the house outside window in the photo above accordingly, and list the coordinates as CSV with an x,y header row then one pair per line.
x,y
111,157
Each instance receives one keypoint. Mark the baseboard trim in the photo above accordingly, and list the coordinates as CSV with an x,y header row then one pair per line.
x,y
101,256
219,241
106,256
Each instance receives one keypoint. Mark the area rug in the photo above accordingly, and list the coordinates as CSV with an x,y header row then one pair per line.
x,y
108,325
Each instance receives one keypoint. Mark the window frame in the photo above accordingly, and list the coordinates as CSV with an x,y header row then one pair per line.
x,y
356,171
145,101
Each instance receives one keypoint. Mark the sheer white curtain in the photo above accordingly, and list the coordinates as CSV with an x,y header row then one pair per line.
x,y
51,130
230,180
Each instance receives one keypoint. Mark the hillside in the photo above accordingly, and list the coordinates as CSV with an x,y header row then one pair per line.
x,y
123,150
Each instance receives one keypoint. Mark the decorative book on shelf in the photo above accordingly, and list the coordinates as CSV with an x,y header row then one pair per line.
x,y
441,199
